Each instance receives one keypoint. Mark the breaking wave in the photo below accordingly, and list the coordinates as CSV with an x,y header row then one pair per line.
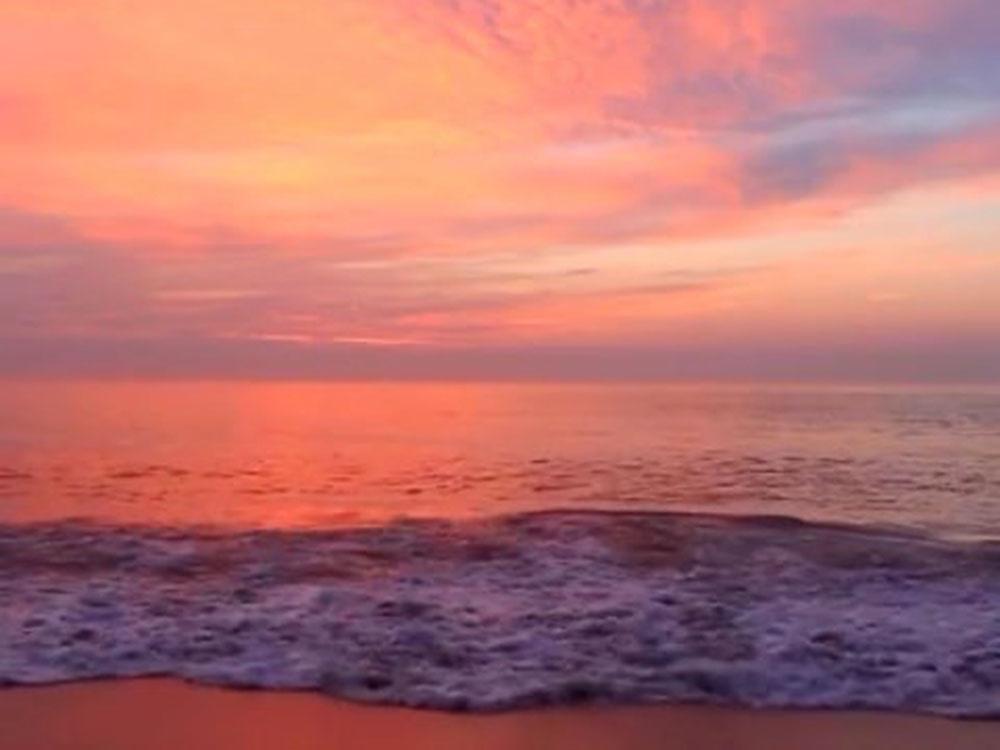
x,y
544,608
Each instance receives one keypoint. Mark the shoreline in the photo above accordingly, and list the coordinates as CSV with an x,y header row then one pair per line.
x,y
525,611
157,714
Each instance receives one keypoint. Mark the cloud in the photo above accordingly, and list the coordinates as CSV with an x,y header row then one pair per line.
x,y
169,127
478,171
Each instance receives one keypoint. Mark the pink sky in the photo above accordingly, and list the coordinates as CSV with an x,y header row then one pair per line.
x,y
698,187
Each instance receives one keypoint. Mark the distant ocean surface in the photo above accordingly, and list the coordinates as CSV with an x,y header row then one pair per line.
x,y
492,546
287,454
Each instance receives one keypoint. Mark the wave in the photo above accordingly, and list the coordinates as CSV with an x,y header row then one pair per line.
x,y
545,608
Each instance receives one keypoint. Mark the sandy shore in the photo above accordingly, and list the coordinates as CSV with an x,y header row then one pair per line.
x,y
165,714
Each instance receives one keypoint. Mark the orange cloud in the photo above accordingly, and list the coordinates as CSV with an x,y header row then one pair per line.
x,y
230,161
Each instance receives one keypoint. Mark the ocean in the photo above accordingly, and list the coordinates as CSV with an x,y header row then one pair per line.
x,y
280,454
486,546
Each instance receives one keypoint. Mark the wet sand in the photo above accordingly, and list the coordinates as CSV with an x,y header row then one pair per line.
x,y
170,715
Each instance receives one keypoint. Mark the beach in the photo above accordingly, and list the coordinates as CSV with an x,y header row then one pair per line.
x,y
499,375
168,715
477,588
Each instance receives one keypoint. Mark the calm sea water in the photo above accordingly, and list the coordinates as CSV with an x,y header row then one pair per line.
x,y
295,454
305,582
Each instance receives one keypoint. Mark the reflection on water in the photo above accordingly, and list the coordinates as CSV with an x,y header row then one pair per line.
x,y
277,454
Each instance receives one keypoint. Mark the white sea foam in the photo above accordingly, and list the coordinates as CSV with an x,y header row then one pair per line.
x,y
525,610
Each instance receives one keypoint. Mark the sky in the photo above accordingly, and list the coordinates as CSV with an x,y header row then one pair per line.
x,y
792,189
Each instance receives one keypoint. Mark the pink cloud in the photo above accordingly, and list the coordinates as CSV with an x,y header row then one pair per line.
x,y
192,169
